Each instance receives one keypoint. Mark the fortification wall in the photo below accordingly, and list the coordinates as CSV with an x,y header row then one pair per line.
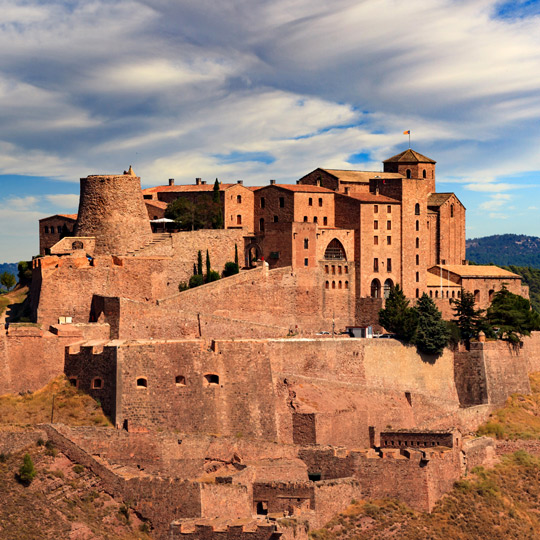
x,y
531,351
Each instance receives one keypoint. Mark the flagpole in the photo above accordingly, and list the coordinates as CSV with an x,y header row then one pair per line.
x,y
409,139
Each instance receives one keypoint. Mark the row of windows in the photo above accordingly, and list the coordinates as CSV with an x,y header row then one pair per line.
x,y
388,209
52,231
376,240
376,264
142,382
276,220
340,269
340,285
388,225
282,201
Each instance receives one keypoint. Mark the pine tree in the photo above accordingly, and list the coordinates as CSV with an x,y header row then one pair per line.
x,y
431,336
194,269
397,317
27,471
468,319
511,314
208,268
236,254
217,218
199,263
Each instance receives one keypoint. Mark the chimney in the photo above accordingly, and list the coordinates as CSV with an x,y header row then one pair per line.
x,y
376,190
203,183
272,182
318,183
171,181
197,181
241,182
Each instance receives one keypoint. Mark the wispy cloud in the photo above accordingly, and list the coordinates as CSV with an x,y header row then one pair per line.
x,y
495,202
64,200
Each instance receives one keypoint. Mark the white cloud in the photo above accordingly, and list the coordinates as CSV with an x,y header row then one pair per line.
x,y
491,187
19,204
64,200
495,202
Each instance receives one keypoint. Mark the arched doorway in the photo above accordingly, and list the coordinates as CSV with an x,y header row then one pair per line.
x,y
388,284
335,251
252,253
375,288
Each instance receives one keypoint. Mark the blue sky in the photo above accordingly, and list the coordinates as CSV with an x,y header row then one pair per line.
x,y
264,89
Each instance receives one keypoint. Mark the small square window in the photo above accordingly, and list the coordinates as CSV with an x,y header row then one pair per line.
x,y
306,262
375,240
375,224
282,202
389,240
310,202
376,209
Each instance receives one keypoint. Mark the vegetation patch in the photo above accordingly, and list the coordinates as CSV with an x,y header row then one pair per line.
x,y
71,407
495,504
519,418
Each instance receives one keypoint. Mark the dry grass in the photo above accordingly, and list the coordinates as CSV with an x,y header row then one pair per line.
x,y
497,504
13,298
519,418
61,503
71,407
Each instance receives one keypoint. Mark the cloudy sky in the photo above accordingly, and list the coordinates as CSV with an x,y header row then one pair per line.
x,y
262,89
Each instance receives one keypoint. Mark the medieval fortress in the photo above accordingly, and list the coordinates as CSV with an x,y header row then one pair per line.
x,y
237,402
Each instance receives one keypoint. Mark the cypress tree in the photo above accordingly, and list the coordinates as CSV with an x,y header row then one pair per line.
x,y
236,254
194,269
199,263
207,263
217,217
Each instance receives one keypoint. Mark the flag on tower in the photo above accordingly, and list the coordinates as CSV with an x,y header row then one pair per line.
x,y
407,132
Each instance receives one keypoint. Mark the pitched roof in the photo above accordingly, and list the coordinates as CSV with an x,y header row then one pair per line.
x,y
359,176
480,271
301,188
187,188
409,156
435,281
438,199
65,216
157,204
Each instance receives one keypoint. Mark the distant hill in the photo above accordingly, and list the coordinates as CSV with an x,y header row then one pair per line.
x,y
8,267
504,250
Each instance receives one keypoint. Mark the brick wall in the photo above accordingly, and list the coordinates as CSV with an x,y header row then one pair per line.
x,y
52,229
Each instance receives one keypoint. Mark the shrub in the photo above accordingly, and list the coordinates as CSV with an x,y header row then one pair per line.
x,y
212,276
78,469
231,268
40,442
195,281
27,471
183,286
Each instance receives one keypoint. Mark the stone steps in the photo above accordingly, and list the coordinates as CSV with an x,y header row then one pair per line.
x,y
156,239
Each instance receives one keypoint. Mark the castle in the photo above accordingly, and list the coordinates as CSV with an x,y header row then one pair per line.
x,y
230,406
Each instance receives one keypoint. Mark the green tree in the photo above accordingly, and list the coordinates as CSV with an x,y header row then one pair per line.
x,y
397,317
185,214
236,255
27,471
195,280
231,268
468,319
24,271
199,263
7,280
432,334
217,217
511,316
208,267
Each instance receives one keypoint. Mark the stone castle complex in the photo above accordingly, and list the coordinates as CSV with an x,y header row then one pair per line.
x,y
232,407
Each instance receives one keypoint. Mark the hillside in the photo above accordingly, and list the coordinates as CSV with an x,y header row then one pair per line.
x,y
8,267
531,277
505,249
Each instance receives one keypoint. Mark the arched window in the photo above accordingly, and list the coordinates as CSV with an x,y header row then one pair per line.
x,y
477,295
97,383
333,284
77,245
424,174
453,294
408,173
491,292
239,198
417,259
417,225
417,243
431,294
74,381
340,285
180,380
417,293
417,209
327,285
335,251
375,288
306,243
211,379
46,229
142,382
417,277
437,294
261,224
388,284
451,210
346,284
239,219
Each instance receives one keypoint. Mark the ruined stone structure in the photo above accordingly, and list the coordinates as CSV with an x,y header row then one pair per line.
x,y
236,402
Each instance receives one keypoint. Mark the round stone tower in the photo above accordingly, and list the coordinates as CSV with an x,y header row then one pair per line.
x,y
112,209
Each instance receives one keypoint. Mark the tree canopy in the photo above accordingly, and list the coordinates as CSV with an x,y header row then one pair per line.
x,y
511,316
397,317
7,280
469,320
432,334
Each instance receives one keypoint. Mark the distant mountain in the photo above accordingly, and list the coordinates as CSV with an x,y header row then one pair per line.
x,y
8,267
504,250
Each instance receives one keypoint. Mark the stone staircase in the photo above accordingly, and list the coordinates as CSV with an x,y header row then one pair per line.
x,y
155,239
